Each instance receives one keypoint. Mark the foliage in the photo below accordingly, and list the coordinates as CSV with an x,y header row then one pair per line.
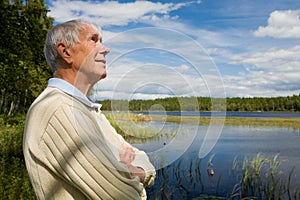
x,y
14,181
23,70
290,103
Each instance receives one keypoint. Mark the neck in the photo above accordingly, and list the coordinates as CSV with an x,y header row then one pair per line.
x,y
74,79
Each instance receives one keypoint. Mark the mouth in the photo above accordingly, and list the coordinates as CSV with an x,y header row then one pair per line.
x,y
103,61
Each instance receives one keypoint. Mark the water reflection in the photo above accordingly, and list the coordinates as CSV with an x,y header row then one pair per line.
x,y
189,176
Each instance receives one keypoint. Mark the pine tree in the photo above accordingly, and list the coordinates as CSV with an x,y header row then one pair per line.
x,y
23,69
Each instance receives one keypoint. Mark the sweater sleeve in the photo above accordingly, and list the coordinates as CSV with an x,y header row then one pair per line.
x,y
78,153
141,159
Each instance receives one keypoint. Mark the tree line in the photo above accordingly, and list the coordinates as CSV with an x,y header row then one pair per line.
x,y
238,104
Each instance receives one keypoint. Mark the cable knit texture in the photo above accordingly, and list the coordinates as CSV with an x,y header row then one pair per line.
x,y
72,152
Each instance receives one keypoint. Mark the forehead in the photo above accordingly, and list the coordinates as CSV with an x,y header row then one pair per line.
x,y
88,31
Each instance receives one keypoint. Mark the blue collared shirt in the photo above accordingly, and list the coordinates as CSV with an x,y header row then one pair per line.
x,y
73,91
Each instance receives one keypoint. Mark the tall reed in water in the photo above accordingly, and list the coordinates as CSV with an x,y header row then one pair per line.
x,y
262,178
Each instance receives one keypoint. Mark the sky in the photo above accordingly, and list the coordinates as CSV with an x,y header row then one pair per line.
x,y
210,48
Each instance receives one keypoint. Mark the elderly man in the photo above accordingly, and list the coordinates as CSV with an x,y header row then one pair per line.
x,y
70,148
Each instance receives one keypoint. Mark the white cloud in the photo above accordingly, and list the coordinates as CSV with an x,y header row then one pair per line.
x,y
158,62
281,24
109,13
271,73
127,80
275,60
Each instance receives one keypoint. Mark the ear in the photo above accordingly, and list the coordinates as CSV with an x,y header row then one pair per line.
x,y
64,52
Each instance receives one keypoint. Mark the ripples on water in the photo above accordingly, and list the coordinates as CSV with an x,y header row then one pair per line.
x,y
187,177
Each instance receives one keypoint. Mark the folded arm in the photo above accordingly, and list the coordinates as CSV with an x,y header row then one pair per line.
x,y
127,155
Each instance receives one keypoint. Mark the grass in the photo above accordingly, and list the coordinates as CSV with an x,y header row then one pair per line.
x,y
262,178
259,178
14,180
129,127
256,178
233,121
204,121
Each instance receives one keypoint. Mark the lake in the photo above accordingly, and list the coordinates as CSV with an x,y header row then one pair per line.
x,y
228,114
181,174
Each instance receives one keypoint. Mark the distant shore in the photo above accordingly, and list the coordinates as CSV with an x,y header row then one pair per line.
x,y
205,121
231,121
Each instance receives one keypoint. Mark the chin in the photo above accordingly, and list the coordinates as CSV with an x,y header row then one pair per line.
x,y
103,76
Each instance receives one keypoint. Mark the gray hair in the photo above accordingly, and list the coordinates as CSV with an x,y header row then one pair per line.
x,y
66,33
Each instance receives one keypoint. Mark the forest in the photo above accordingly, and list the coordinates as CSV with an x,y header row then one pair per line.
x,y
237,104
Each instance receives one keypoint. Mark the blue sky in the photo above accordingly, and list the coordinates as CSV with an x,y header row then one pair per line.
x,y
224,48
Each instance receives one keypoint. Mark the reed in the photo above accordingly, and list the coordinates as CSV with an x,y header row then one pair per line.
x,y
133,128
263,179
195,120
232,121
258,178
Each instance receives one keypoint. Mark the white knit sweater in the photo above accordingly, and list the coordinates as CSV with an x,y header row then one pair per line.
x,y
72,152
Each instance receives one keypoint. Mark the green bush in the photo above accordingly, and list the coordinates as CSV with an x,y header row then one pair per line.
x,y
14,180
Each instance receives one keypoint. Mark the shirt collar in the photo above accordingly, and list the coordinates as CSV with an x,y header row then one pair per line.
x,y
73,91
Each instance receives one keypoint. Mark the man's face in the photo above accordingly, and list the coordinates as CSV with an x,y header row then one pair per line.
x,y
89,55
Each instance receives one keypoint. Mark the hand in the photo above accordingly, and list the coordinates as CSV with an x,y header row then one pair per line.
x,y
137,171
127,155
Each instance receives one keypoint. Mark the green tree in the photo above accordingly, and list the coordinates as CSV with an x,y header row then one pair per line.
x,y
23,69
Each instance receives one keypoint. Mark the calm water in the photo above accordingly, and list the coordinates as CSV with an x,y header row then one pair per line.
x,y
181,174
230,114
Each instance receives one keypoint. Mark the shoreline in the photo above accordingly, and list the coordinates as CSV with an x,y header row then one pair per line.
x,y
231,121
205,121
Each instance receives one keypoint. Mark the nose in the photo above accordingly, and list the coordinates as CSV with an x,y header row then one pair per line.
x,y
104,50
